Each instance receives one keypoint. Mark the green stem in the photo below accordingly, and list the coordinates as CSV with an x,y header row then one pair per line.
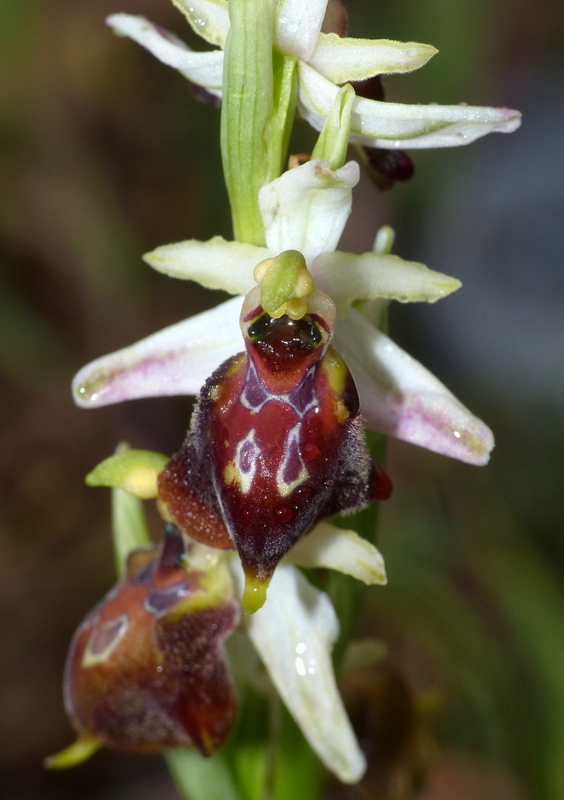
x,y
199,778
246,112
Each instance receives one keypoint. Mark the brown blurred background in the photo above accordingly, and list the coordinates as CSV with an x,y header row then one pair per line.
x,y
105,155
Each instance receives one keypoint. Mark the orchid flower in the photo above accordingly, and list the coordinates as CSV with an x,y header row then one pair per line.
x,y
325,61
304,209
276,442
174,608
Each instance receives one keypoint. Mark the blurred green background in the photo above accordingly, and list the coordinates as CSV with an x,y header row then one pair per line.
x,y
103,156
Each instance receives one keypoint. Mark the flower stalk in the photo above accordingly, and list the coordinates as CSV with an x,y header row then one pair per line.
x,y
249,124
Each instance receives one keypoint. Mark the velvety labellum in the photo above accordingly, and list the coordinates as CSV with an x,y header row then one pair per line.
x,y
146,671
275,443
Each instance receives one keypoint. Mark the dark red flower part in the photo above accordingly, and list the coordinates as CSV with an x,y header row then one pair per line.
x,y
145,670
372,88
275,444
391,165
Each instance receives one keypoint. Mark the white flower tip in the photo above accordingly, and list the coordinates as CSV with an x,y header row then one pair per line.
x,y
90,387
415,55
480,446
456,433
351,772
444,286
512,119
116,21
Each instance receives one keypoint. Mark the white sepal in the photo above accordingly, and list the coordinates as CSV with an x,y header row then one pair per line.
x,y
208,18
174,361
397,125
400,398
204,69
330,547
347,277
215,264
294,633
342,59
298,23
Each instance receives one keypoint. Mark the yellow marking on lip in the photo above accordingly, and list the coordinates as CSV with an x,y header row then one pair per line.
x,y
336,370
231,474
341,412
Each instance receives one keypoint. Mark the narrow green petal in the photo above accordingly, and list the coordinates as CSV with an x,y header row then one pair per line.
x,y
342,59
284,97
215,264
347,277
134,471
333,140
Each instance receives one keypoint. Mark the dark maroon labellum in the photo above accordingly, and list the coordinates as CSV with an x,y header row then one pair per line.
x,y
275,445
145,670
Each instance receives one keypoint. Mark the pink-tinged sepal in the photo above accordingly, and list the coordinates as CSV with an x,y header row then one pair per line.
x,y
146,669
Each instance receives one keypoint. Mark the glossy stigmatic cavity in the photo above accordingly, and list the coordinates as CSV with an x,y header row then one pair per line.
x,y
275,444
145,670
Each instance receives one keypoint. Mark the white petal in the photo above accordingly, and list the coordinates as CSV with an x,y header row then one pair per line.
x,y
342,59
399,397
177,360
346,277
306,208
396,125
209,18
215,264
294,634
334,548
205,69
298,23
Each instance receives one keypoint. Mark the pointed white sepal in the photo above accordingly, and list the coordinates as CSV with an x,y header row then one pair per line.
x,y
174,361
347,277
204,69
330,547
342,59
400,398
294,633
397,125
215,264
